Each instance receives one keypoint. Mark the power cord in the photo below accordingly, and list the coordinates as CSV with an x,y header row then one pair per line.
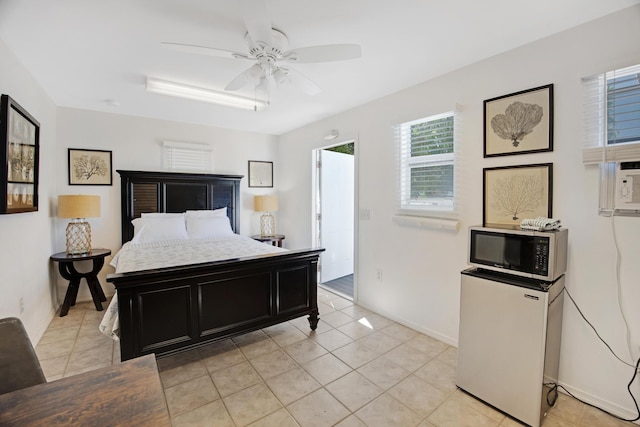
x,y
619,285
594,329
633,377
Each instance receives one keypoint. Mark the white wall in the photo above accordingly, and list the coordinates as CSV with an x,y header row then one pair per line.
x,y
136,145
420,280
26,240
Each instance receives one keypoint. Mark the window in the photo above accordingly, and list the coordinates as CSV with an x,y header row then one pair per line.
x,y
612,116
612,127
426,158
187,156
623,108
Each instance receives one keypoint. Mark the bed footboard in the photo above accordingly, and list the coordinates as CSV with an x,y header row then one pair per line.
x,y
168,310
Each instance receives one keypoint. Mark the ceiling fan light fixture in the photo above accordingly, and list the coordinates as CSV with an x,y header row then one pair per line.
x,y
165,87
281,77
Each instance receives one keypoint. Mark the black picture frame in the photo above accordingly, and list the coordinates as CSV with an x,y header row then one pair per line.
x,y
260,174
513,193
20,158
519,123
90,167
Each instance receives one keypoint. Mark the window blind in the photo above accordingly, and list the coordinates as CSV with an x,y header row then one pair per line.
x,y
612,116
426,165
187,156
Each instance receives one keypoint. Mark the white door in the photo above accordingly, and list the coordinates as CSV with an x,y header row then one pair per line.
x,y
336,222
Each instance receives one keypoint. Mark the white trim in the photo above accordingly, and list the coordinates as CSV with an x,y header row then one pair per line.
x,y
598,401
202,146
411,325
426,222
613,153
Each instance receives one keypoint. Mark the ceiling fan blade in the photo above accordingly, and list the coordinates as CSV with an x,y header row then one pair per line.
x,y
238,82
257,20
325,53
204,50
251,75
303,82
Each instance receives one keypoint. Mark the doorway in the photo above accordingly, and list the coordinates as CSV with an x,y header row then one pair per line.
x,y
334,216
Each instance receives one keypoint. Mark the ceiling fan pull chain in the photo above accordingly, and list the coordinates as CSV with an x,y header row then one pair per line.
x,y
268,87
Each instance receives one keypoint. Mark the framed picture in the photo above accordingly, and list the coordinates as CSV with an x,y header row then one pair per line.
x,y
89,167
260,174
513,193
20,140
519,123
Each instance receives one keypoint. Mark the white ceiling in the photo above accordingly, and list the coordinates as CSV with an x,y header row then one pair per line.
x,y
88,53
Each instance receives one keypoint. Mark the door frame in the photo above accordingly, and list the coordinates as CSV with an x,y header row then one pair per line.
x,y
315,196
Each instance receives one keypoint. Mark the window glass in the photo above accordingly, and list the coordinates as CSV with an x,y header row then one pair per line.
x,y
623,109
427,160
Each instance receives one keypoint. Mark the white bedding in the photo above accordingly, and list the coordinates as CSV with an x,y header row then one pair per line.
x,y
146,256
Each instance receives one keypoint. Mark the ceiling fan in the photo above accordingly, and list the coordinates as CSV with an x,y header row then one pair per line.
x,y
267,48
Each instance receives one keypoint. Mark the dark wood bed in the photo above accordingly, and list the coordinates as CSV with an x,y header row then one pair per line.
x,y
166,310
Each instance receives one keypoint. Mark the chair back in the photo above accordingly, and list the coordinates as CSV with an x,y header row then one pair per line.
x,y
19,365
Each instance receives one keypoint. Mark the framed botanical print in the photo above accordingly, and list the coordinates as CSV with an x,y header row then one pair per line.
x,y
519,123
89,167
513,193
260,174
20,134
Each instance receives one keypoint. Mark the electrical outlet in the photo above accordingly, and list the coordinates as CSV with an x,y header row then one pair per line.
x,y
21,303
379,274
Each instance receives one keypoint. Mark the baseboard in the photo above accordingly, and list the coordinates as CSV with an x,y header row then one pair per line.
x,y
599,402
433,334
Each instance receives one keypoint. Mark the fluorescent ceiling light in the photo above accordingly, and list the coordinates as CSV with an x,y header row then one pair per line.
x,y
165,87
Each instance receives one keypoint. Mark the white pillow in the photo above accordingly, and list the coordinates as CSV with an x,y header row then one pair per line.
x,y
208,228
207,214
138,223
161,215
159,228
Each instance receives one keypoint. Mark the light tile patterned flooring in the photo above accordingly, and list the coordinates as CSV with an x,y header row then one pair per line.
x,y
357,369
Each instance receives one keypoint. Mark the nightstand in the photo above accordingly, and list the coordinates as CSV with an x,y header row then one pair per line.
x,y
275,240
69,272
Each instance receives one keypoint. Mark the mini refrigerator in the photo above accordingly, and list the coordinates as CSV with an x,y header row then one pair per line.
x,y
509,342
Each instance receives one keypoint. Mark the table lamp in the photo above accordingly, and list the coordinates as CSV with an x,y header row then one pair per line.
x,y
78,207
266,205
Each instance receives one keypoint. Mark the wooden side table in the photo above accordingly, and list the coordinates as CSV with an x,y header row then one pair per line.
x,y
275,240
69,272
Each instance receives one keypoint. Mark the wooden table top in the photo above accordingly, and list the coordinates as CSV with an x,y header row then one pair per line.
x,y
94,254
124,394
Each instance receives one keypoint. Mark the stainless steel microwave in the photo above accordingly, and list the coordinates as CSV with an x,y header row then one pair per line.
x,y
535,254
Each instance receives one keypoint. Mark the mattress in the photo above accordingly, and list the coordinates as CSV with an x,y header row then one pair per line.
x,y
147,256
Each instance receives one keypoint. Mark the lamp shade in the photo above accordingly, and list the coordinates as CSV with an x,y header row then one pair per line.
x,y
78,206
265,203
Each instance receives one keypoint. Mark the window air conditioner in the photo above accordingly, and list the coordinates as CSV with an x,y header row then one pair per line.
x,y
627,196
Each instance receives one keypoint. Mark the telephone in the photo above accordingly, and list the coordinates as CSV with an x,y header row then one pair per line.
x,y
540,224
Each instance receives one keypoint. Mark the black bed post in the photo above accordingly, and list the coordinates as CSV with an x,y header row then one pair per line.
x,y
314,316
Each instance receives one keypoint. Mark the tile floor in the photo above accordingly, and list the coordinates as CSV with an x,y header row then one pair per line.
x,y
357,369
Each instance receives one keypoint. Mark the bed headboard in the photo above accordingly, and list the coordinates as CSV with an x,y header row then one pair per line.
x,y
143,192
